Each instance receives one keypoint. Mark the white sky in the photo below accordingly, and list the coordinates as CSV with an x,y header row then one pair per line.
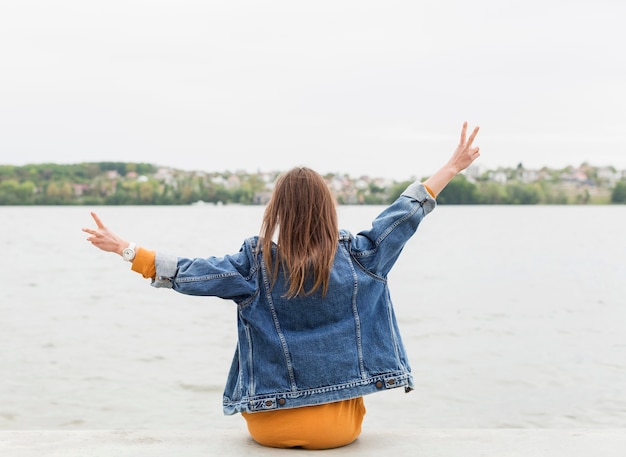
x,y
359,87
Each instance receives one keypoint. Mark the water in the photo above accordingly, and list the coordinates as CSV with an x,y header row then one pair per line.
x,y
512,317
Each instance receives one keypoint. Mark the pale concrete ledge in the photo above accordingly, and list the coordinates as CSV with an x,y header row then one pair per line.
x,y
224,443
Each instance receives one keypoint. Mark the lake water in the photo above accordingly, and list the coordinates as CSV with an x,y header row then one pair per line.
x,y
512,317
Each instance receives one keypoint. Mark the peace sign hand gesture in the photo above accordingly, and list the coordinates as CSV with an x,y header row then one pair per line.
x,y
463,156
465,153
103,238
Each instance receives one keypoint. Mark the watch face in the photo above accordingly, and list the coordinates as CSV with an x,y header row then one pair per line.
x,y
128,254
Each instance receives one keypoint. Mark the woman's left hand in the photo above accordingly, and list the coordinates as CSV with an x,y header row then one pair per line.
x,y
103,238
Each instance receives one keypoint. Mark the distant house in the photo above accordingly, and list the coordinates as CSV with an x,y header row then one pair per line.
x,y
233,182
79,189
166,175
576,180
473,172
498,176
608,175
528,176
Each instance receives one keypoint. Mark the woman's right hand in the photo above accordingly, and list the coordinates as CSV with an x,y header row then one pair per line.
x,y
465,153
463,156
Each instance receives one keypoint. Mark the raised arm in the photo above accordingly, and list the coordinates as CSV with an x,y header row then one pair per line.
x,y
462,158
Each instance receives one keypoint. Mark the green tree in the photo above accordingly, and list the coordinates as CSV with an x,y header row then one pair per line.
x,y
13,192
492,193
618,195
147,192
396,190
552,194
59,193
522,194
459,191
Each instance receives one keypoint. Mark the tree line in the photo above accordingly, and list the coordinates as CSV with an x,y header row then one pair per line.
x,y
121,183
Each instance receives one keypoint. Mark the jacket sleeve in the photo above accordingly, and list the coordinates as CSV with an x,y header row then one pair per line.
x,y
230,277
378,248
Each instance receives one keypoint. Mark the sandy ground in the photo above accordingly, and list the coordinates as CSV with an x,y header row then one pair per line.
x,y
229,442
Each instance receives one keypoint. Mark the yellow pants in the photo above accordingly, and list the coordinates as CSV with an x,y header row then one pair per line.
x,y
309,427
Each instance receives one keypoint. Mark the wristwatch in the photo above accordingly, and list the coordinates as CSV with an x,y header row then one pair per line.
x,y
128,253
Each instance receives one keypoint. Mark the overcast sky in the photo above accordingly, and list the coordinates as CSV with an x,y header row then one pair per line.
x,y
361,87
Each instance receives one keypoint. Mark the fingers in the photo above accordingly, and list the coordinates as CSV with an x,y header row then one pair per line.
x,y
94,233
463,133
97,219
94,237
472,136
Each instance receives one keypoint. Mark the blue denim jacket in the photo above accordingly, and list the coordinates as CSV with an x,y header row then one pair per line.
x,y
311,350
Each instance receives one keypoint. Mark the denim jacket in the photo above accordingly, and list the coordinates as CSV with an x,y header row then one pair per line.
x,y
310,350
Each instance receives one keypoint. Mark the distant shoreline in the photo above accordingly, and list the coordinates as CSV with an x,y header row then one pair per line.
x,y
128,183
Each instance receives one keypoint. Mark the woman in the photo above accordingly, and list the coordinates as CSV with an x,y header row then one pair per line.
x,y
316,327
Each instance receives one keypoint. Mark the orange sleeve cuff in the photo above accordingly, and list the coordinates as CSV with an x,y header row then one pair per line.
x,y
430,191
143,263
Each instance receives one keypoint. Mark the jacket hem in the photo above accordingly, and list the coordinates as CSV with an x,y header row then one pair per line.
x,y
321,395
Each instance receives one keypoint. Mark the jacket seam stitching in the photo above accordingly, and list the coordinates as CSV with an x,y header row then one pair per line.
x,y
397,223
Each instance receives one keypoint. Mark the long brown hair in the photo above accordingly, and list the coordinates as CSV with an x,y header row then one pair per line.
x,y
302,210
